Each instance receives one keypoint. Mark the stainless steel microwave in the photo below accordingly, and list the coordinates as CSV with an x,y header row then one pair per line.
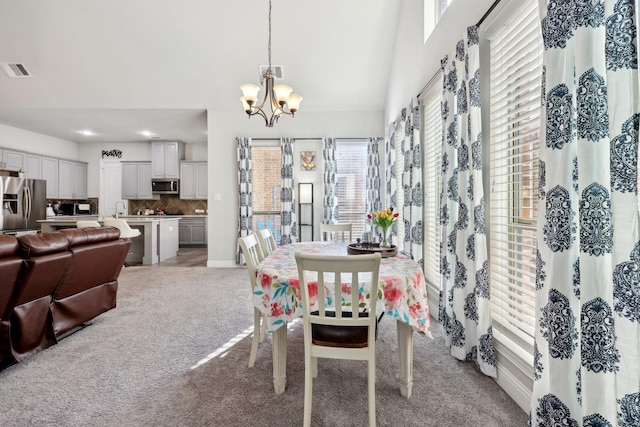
x,y
165,186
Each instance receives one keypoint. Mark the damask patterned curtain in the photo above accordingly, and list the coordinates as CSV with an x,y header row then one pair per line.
x,y
373,179
412,181
245,214
288,217
587,344
391,174
464,298
330,199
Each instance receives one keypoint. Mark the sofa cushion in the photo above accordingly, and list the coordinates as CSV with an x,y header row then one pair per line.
x,y
84,236
10,265
8,246
42,244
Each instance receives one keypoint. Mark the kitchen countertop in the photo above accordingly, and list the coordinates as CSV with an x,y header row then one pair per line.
x,y
130,219
164,216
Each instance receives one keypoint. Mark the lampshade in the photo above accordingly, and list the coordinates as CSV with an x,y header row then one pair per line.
x,y
245,104
305,192
250,93
282,94
294,102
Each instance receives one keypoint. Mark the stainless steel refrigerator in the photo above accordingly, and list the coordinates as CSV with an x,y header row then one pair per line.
x,y
24,202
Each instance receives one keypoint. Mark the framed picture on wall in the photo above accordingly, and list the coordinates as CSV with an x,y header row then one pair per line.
x,y
308,160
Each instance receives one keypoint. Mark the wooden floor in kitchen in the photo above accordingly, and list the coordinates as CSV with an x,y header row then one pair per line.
x,y
187,257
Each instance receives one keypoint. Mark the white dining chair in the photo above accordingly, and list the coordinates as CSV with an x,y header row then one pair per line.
x,y
331,232
87,223
339,334
252,256
126,232
267,241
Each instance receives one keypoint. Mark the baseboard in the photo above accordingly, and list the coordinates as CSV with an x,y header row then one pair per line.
x,y
515,374
212,263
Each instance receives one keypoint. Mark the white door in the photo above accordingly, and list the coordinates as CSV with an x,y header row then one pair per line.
x,y
110,187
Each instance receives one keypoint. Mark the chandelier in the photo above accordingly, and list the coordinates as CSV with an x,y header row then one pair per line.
x,y
278,99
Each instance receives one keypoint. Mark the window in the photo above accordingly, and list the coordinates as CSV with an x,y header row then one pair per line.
x,y
515,104
432,142
433,10
266,181
351,178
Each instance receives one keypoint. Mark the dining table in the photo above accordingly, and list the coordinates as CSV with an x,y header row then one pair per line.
x,y
402,288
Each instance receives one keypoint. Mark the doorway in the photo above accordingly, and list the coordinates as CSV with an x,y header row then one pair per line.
x,y
110,187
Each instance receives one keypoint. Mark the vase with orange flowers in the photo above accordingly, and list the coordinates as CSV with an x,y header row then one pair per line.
x,y
384,219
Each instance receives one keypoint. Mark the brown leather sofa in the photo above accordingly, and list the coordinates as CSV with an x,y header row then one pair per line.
x,y
65,279
10,266
90,282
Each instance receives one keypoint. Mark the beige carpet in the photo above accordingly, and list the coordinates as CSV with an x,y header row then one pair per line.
x,y
132,367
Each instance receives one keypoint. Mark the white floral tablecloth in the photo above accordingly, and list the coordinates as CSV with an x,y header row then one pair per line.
x,y
402,283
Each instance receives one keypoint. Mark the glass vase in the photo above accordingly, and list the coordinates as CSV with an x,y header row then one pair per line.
x,y
384,243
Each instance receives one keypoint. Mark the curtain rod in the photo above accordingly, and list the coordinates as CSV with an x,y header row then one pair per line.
x,y
486,14
435,76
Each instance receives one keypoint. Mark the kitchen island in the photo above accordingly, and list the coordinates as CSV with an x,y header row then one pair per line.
x,y
158,240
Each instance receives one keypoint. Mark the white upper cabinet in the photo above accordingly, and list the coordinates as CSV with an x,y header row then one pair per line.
x,y
136,180
193,180
32,166
165,158
11,160
72,180
50,174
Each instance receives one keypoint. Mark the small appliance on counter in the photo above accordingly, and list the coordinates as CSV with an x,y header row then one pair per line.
x,y
50,213
82,209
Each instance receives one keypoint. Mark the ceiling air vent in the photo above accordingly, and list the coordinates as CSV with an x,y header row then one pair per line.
x,y
15,70
275,69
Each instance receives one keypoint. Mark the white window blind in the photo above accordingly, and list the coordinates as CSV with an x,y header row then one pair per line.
x,y
432,179
515,90
351,175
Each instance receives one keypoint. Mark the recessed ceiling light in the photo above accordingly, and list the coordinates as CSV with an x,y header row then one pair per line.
x,y
146,133
86,132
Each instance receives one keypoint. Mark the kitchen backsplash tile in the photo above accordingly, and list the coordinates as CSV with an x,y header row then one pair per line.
x,y
170,204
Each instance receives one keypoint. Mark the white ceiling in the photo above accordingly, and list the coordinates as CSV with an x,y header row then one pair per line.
x,y
120,67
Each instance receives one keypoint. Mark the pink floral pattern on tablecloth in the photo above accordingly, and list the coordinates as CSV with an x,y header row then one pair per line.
x,y
402,286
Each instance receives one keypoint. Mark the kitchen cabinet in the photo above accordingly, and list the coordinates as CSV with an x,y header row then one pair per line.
x,y
50,174
72,180
165,158
32,166
193,180
136,180
11,160
193,231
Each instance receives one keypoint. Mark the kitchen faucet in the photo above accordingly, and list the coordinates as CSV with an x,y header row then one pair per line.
x,y
123,206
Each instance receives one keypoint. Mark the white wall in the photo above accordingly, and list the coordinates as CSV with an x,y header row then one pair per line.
x,y
225,127
414,61
24,140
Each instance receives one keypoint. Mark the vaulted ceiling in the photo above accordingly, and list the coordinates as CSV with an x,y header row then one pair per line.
x,y
118,67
